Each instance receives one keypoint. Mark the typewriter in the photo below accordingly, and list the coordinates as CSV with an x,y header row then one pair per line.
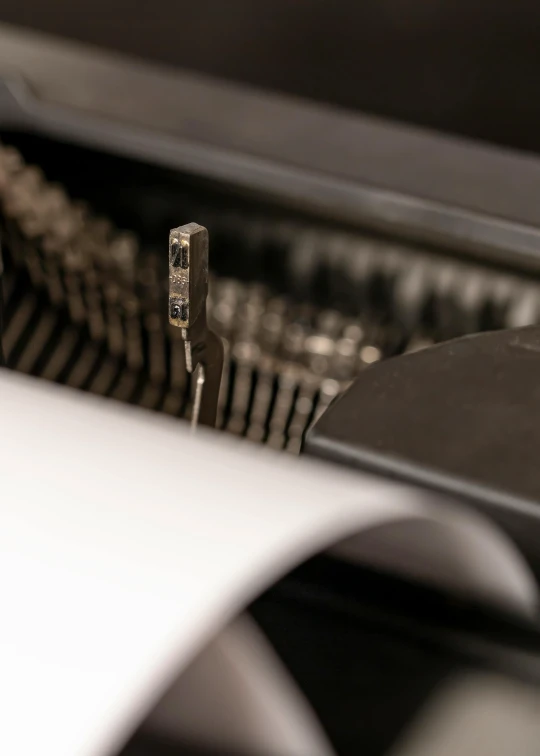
x,y
373,287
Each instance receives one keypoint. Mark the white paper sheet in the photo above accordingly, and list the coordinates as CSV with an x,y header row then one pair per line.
x,y
126,544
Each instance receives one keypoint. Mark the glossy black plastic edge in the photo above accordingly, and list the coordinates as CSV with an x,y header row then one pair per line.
x,y
339,165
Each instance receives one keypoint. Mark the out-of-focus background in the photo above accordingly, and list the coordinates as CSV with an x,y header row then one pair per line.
x,y
465,67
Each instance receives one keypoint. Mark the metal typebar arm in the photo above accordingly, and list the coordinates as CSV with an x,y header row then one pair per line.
x,y
188,290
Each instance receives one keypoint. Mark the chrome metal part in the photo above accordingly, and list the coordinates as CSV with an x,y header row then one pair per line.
x,y
188,291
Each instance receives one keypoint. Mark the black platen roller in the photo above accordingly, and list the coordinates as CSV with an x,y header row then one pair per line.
x,y
462,417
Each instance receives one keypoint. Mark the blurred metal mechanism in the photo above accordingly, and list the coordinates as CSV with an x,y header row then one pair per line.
x,y
85,306
307,307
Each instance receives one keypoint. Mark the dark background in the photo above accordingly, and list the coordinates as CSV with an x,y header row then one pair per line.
x,y
466,67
